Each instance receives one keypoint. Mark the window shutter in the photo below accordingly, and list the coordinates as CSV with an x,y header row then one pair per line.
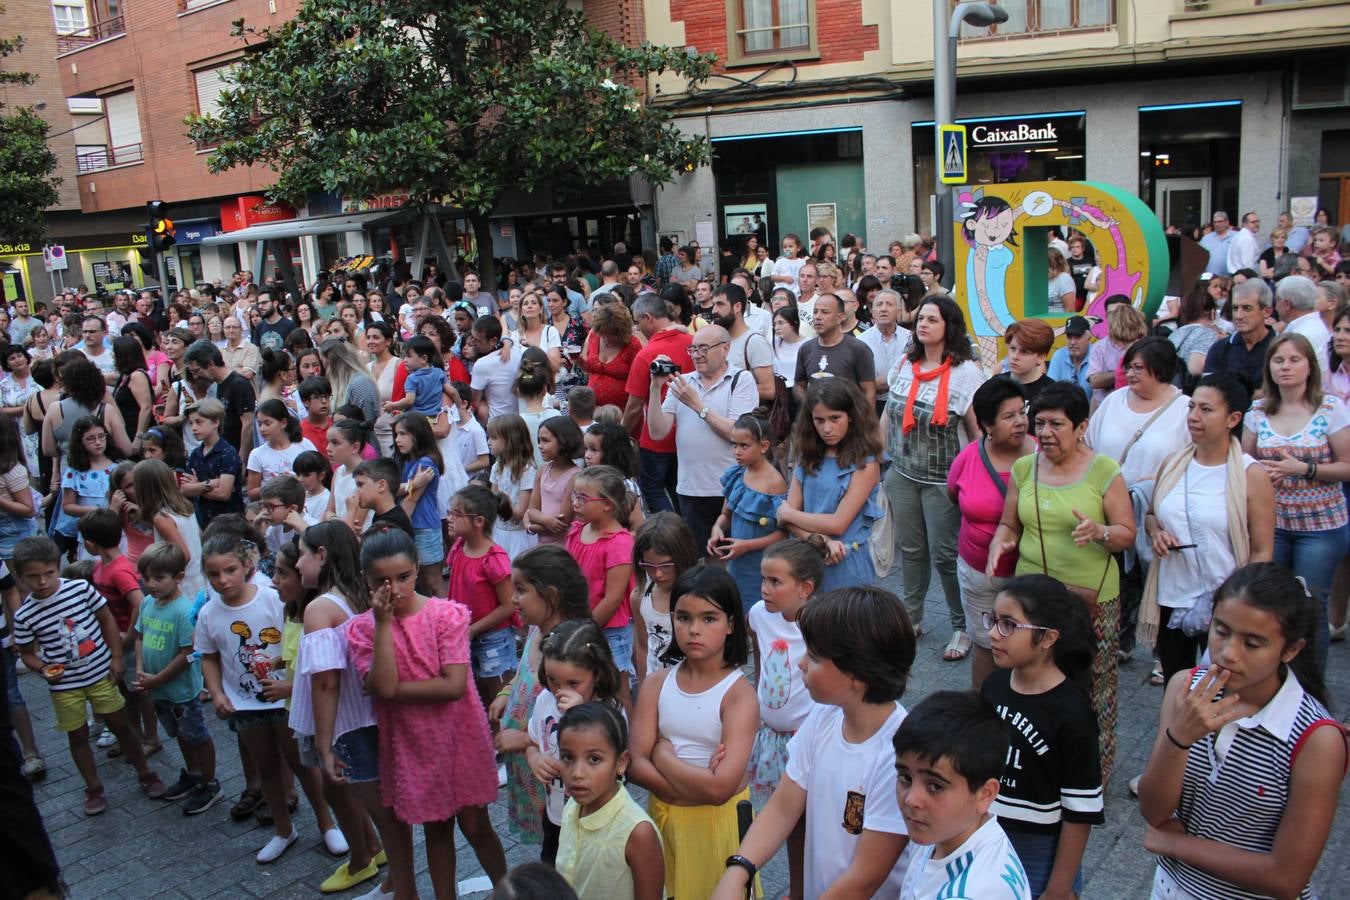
x,y
209,85
124,121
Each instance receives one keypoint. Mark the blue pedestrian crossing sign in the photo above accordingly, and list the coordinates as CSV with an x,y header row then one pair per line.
x,y
952,153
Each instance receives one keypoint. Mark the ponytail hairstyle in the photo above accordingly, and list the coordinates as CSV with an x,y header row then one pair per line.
x,y
341,573
664,533
1274,589
485,503
602,717
385,540
353,432
758,428
608,483
228,545
536,374
274,364
805,560
556,577
518,454
276,409
1047,603
580,642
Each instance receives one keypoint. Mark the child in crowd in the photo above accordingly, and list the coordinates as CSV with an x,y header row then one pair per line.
x,y
161,505
840,772
65,632
1051,790
609,414
18,511
421,465
115,577
425,381
470,437
581,406
549,589
166,445
413,653
949,754
350,412
1257,715
346,441
215,472
166,669
283,499
602,545
86,481
316,395
282,443
480,578
513,476
576,668
238,635
608,444
618,854
534,391
663,550
550,513
687,715
377,482
834,486
753,489
313,472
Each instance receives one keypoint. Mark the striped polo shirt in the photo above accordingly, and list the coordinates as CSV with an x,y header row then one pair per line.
x,y
66,630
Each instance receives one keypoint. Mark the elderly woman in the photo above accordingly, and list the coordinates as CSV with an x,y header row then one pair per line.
x,y
928,420
978,485
1298,433
1213,510
610,349
1066,513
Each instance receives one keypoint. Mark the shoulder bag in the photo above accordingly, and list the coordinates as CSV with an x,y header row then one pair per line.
x,y
1090,596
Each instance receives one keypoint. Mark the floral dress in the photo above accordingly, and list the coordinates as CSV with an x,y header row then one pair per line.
x,y
753,515
14,394
570,374
525,794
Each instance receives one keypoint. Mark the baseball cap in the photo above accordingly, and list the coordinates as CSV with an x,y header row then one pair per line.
x,y
1076,325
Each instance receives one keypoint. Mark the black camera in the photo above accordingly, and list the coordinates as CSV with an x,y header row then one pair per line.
x,y
664,367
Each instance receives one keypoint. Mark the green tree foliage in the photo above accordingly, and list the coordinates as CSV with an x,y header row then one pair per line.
x,y
27,187
455,101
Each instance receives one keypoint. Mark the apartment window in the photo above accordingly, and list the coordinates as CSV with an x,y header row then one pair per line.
x,y
769,30
1036,16
209,85
124,128
70,16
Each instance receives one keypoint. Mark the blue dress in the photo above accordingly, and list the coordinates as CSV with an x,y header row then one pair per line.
x,y
753,515
91,488
995,287
822,492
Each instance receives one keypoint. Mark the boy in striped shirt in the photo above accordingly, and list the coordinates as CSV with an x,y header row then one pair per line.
x,y
66,632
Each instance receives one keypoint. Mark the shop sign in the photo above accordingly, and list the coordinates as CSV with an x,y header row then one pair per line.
x,y
138,238
390,200
1015,132
10,249
252,209
195,234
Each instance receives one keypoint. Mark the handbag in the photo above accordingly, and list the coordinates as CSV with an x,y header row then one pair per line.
x,y
1090,596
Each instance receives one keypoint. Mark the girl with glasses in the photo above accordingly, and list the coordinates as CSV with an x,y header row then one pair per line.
x,y
663,550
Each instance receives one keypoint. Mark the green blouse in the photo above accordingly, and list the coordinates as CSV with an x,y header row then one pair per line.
x,y
1071,564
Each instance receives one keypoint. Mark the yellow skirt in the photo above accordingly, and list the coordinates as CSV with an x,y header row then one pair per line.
x,y
697,841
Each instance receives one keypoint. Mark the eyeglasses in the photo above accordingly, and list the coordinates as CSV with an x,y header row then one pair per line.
x,y
1005,626
656,567
701,350
273,505
583,499
461,514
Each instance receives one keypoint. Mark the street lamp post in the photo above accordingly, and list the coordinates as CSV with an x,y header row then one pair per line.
x,y
980,15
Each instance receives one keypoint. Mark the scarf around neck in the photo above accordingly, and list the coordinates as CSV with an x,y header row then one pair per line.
x,y
943,373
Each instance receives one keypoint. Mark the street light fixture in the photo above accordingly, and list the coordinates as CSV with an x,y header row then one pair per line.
x,y
981,15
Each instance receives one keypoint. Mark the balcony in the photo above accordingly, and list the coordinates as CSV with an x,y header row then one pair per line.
x,y
1045,17
99,31
98,159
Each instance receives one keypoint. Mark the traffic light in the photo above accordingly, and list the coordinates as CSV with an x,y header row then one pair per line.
x,y
160,229
148,265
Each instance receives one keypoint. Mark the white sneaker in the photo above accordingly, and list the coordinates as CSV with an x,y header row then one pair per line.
x,y
106,740
335,843
375,893
272,850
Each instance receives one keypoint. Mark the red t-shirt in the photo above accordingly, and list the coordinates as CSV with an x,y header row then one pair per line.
x,y
474,580
612,549
672,343
115,580
317,434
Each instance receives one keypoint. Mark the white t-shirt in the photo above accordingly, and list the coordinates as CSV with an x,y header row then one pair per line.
x,y
1195,511
985,866
549,340
886,352
543,729
248,639
785,266
784,701
850,788
344,488
316,505
496,380
1114,424
103,362
270,463
785,359
471,440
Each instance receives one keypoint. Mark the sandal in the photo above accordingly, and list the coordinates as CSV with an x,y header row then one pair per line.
x,y
1156,676
94,801
248,801
958,648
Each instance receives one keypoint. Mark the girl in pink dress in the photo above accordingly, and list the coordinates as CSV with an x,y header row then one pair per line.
x,y
550,512
436,757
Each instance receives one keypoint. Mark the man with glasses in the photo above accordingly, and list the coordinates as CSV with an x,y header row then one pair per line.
x,y
832,353
1217,243
95,349
702,407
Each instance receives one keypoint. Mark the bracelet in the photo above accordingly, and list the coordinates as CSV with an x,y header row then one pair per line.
x,y
1176,743
1311,470
1313,476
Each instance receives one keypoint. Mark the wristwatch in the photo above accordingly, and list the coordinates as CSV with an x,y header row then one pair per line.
x,y
747,865
703,413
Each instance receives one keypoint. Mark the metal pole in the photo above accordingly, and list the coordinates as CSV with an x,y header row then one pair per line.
x,y
944,103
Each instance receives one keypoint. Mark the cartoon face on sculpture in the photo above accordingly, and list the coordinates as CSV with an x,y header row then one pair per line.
x,y
1001,236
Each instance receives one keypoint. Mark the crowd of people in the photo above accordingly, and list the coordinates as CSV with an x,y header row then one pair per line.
x,y
619,523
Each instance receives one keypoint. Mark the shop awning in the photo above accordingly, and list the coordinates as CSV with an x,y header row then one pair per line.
x,y
301,227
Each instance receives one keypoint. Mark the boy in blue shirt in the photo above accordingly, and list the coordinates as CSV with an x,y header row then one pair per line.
x,y
166,668
425,385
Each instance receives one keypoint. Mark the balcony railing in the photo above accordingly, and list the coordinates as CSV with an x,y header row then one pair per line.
x,y
1047,17
99,31
98,160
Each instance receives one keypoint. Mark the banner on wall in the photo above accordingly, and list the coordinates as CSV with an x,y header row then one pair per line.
x,y
1001,238
823,215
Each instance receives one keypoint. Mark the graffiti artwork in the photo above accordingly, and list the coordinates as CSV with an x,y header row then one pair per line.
x,y
1002,238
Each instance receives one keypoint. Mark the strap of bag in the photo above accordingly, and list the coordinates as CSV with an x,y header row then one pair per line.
x,y
995,476
1142,428
1036,499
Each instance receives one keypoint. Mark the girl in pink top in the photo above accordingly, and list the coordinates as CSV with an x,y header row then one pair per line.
x,y
602,545
550,512
480,578
436,757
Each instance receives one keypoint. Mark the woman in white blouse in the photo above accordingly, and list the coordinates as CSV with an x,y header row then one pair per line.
x,y
534,329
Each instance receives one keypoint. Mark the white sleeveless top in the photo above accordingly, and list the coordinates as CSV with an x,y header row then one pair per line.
x,y
692,722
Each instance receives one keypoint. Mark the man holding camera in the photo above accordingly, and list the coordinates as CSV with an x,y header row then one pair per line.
x,y
702,407
666,338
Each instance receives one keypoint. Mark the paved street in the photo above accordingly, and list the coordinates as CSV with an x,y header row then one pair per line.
x,y
144,848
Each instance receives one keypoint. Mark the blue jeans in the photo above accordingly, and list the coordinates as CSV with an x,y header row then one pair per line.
x,y
1314,555
656,480
1037,852
620,640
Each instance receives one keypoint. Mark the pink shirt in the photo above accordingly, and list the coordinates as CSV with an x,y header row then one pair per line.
x,y
612,549
474,580
981,505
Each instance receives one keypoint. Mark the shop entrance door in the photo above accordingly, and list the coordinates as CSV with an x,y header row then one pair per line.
x,y
1183,202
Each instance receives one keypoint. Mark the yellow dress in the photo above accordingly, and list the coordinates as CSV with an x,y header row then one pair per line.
x,y
697,841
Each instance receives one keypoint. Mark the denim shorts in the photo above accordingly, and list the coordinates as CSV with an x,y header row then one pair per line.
x,y
494,653
357,753
129,669
620,640
248,719
1037,853
183,721
12,530
12,681
430,548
